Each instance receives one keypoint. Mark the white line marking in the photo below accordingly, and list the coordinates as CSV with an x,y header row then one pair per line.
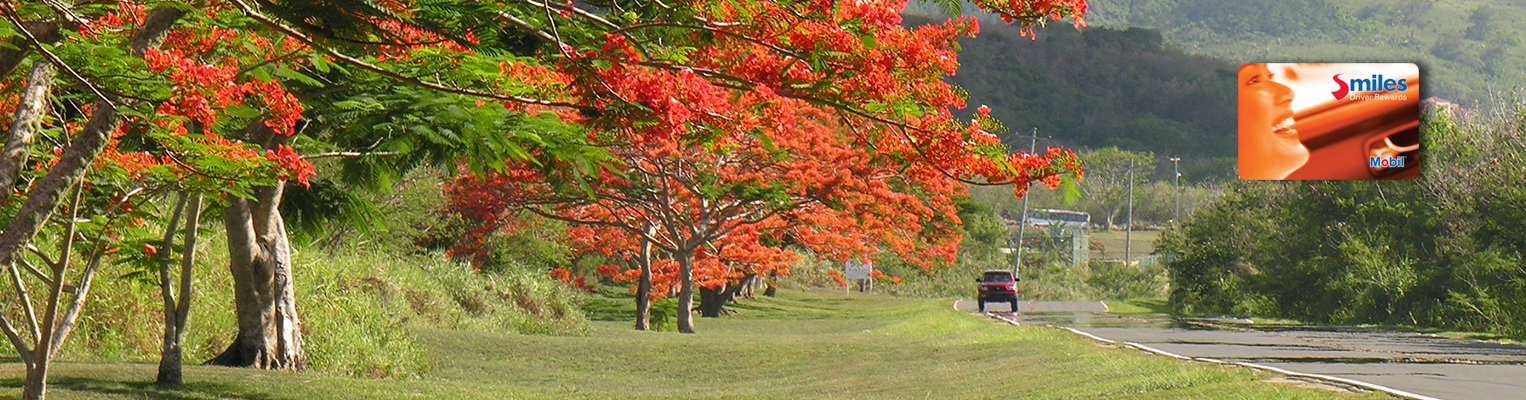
x,y
1352,382
1093,337
1157,351
1327,378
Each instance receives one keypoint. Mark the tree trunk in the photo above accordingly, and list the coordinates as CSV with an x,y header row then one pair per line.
x,y
169,350
686,291
36,382
644,288
176,310
269,332
712,301
26,122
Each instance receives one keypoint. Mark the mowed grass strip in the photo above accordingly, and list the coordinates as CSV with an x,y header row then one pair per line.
x,y
797,345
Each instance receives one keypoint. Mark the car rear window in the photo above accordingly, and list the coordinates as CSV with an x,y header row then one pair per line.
x,y
997,277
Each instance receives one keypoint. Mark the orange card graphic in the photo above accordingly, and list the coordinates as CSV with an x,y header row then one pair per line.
x,y
1329,121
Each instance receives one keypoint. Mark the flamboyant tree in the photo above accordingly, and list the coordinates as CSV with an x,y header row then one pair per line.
x,y
164,93
233,76
688,84
133,122
723,209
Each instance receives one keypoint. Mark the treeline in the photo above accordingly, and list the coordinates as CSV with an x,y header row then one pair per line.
x,y
1099,87
1104,193
1443,250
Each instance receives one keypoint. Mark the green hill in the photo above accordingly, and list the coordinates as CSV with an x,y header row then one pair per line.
x,y
1468,48
1156,75
1100,87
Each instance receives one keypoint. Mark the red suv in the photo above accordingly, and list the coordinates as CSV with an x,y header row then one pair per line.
x,y
997,286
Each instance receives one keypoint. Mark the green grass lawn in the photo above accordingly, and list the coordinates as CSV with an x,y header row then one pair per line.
x,y
799,345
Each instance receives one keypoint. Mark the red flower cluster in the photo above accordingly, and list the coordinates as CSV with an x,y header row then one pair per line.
x,y
578,281
291,164
837,277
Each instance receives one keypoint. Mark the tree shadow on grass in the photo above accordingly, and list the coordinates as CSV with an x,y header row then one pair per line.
x,y
1156,306
141,390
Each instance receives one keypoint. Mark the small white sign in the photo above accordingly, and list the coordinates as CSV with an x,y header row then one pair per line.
x,y
854,269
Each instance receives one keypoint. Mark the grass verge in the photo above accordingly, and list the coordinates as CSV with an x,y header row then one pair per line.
x,y
797,345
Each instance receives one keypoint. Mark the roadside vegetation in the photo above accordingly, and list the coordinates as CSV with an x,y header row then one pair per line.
x,y
364,293
1442,251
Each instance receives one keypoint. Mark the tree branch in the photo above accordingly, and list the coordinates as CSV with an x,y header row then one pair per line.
x,y
304,38
30,109
10,14
187,261
351,154
36,272
26,301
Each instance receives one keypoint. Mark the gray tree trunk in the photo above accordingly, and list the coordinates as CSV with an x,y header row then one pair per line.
x,y
176,310
686,291
259,257
712,302
644,288
26,122
269,332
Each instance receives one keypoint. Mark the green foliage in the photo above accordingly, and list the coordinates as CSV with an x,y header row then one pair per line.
x,y
1115,280
1113,176
983,230
1440,251
310,211
535,245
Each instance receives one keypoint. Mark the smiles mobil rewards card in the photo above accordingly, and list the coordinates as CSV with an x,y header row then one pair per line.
x,y
1329,121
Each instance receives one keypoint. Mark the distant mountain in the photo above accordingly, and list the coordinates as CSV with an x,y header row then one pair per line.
x,y
1469,49
1099,87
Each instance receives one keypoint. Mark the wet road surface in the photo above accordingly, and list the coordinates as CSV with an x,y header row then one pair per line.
x,y
1424,364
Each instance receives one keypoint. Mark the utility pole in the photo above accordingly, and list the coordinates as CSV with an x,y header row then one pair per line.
x,y
1176,188
1128,229
1033,145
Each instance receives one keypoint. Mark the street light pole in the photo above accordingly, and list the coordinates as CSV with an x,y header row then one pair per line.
x,y
1033,145
1128,229
1176,188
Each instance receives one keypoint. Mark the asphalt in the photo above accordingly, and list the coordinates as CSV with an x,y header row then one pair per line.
x,y
1418,363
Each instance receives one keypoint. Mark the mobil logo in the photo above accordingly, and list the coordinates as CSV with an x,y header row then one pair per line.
x,y
1385,162
1374,83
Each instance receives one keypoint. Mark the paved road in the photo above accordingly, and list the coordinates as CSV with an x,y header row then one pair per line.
x,y
1031,306
1428,365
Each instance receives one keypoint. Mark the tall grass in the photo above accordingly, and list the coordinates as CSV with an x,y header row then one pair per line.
x,y
357,307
